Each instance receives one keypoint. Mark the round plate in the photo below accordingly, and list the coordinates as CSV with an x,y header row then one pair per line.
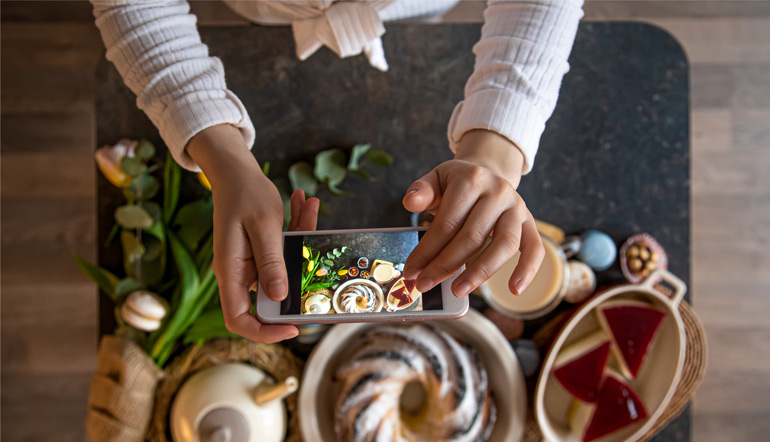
x,y
319,391
377,291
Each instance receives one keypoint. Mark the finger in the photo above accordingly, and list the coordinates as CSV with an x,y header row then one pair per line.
x,y
236,273
424,194
471,237
296,203
532,254
267,247
309,216
504,245
456,204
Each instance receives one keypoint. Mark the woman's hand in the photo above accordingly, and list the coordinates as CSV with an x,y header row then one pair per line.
x,y
473,196
248,219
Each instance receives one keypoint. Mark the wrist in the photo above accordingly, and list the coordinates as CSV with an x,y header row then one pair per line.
x,y
219,151
492,150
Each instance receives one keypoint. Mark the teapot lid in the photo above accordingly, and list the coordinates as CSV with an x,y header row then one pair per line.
x,y
223,425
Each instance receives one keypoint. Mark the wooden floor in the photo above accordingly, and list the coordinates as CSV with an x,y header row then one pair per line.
x,y
49,51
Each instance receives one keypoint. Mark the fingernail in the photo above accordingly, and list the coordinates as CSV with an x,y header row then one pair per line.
x,y
276,289
413,191
521,284
462,289
424,285
411,273
293,334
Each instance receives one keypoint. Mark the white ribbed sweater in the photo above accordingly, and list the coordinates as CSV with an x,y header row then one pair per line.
x,y
520,61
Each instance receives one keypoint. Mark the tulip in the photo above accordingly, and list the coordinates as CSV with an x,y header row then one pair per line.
x,y
204,181
342,272
310,265
305,252
321,272
108,159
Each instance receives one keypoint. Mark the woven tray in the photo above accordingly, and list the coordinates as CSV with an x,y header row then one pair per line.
x,y
274,359
692,372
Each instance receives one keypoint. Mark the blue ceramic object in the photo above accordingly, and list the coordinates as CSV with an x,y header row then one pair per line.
x,y
528,356
597,250
311,333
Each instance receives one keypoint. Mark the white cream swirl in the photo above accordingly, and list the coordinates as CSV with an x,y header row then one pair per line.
x,y
359,298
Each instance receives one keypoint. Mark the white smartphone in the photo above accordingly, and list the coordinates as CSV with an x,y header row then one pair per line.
x,y
355,276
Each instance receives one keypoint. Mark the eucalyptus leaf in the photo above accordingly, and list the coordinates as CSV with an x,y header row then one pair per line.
x,y
379,158
133,217
329,255
127,286
301,177
337,191
361,173
144,150
330,167
153,209
329,262
133,249
346,249
355,155
142,187
172,180
103,278
337,253
132,166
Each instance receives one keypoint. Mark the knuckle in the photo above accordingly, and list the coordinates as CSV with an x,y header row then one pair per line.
x,y
476,236
477,175
270,261
510,243
483,273
448,227
230,326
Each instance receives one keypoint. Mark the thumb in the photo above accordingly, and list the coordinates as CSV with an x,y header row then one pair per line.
x,y
424,194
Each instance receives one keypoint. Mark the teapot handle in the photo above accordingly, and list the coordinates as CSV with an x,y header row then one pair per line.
x,y
271,392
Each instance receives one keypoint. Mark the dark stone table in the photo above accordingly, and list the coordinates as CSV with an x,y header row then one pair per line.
x,y
615,155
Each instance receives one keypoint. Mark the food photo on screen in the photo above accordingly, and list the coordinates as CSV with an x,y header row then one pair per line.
x,y
353,273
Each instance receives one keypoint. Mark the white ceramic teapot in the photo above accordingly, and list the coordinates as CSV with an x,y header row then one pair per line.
x,y
231,403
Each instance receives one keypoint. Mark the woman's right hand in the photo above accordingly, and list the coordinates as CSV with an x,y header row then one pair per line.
x,y
248,219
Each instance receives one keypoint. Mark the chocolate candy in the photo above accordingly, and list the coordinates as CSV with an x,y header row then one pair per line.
x,y
641,255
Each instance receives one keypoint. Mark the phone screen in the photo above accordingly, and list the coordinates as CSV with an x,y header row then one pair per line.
x,y
353,273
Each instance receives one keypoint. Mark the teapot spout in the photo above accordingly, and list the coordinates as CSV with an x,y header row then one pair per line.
x,y
272,392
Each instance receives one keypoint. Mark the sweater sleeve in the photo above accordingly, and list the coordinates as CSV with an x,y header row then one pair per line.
x,y
156,48
520,61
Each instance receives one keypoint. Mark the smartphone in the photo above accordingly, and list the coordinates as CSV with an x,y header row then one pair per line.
x,y
355,276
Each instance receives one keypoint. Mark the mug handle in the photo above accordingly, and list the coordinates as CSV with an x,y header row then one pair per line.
x,y
659,278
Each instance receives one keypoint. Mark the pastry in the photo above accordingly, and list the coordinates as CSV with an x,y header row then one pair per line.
x,y
457,405
358,298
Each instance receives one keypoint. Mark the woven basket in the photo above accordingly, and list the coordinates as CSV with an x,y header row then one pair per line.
x,y
692,372
274,359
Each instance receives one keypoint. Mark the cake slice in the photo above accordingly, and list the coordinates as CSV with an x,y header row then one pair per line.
x,y
617,407
579,367
633,326
410,284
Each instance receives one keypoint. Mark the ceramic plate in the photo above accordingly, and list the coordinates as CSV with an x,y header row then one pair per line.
x,y
318,392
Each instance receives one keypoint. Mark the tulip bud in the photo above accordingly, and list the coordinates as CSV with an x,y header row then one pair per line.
x,y
204,181
108,159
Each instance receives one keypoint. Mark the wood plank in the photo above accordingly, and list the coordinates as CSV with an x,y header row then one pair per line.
x,y
711,130
54,328
58,175
46,11
725,425
60,45
44,407
46,90
71,133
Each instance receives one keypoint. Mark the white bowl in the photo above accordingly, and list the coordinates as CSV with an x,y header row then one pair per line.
x,y
318,392
377,291
659,374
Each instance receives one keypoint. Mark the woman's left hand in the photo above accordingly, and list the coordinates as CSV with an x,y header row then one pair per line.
x,y
474,196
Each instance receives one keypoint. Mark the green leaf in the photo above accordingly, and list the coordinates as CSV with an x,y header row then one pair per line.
x,y
329,262
329,255
210,325
330,167
318,286
103,278
153,209
142,187
346,249
112,235
301,177
379,158
361,173
337,191
144,150
355,155
195,221
337,252
172,179
324,209
266,168
132,166
133,249
133,217
127,286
